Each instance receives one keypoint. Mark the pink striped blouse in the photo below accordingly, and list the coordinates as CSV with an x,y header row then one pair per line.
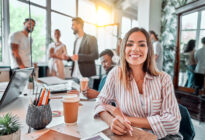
x,y
157,103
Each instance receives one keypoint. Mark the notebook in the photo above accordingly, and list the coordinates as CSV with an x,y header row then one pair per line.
x,y
138,134
52,80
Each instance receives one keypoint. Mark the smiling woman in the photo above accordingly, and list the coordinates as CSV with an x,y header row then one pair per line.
x,y
137,52
147,96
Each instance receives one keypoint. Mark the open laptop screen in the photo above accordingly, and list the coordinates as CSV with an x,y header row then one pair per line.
x,y
16,85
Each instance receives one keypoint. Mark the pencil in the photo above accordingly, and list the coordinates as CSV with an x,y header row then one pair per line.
x,y
47,97
41,99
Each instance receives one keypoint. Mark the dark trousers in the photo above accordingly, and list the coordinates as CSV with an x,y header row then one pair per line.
x,y
198,80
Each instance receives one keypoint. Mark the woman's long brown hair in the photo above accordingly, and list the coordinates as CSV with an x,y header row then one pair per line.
x,y
149,64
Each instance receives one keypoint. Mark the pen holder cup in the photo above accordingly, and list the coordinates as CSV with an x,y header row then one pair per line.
x,y
38,117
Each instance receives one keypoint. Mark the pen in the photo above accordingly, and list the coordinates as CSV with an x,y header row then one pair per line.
x,y
36,103
35,96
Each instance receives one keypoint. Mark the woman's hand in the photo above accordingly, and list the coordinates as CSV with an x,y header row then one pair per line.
x,y
113,110
74,92
51,52
65,57
91,93
120,126
74,57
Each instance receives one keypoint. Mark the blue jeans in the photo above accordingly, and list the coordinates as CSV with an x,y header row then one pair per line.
x,y
190,74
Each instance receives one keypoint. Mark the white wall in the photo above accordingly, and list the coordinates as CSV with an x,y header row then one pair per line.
x,y
143,13
155,15
149,14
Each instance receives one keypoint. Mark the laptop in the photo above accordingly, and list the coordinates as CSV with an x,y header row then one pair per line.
x,y
15,86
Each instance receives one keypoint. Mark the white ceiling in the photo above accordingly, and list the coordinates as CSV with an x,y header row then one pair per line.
x,y
128,6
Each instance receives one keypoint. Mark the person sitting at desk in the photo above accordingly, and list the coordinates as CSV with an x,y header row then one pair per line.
x,y
57,52
106,61
146,96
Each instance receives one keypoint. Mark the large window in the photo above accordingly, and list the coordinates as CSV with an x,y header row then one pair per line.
x,y
61,19
135,23
87,11
18,12
67,7
192,28
64,24
39,2
127,24
98,22
109,34
189,29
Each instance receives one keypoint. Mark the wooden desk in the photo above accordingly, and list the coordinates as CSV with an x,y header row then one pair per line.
x,y
86,124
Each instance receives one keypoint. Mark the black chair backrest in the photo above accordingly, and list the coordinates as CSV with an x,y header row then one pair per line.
x,y
186,126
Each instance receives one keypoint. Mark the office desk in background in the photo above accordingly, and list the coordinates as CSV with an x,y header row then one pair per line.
x,y
86,124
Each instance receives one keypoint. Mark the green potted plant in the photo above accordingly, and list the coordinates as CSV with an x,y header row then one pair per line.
x,y
9,127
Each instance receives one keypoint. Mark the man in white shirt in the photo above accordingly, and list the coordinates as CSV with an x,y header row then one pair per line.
x,y
85,51
76,72
158,50
199,57
20,43
200,67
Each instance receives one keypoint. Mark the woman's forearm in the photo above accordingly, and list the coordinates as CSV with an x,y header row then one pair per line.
x,y
55,56
139,122
105,116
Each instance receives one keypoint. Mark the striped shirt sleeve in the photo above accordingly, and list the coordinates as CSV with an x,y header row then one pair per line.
x,y
107,93
168,121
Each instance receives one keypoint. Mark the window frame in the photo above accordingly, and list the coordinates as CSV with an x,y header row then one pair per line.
x,y
198,28
6,25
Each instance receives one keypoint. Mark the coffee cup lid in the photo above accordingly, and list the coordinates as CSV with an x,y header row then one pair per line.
x,y
84,79
71,98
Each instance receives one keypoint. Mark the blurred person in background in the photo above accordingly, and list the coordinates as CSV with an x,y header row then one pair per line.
x,y
107,63
116,57
158,50
190,62
57,52
20,46
85,51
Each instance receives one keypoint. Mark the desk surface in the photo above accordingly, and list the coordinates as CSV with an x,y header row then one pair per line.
x,y
86,124
20,105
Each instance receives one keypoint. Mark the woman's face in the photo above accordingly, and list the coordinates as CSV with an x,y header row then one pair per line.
x,y
57,35
136,49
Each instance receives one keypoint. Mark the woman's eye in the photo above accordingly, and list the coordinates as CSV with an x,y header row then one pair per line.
x,y
129,44
142,45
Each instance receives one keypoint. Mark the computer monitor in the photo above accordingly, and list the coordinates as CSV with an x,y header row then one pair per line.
x,y
15,86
